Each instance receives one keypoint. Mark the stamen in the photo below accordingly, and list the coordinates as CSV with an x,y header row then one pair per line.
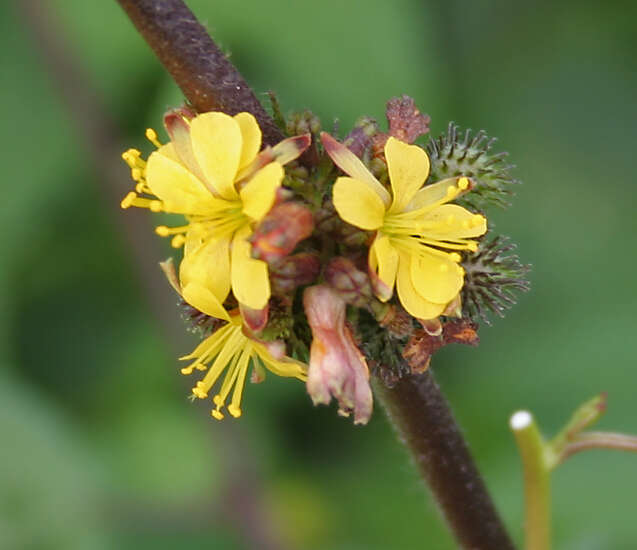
x,y
151,136
235,406
164,231
178,241
127,201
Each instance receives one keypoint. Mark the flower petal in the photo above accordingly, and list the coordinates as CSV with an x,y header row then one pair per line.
x,y
181,192
358,203
439,192
259,193
178,127
217,143
208,265
352,165
411,300
408,167
436,277
281,367
205,301
454,222
383,258
250,281
251,138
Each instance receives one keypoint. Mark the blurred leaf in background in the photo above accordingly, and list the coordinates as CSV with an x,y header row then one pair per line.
x,y
101,448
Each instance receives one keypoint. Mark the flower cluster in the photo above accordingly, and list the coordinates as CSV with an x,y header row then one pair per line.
x,y
353,230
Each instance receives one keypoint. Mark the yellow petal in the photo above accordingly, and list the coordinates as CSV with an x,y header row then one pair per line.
x,y
358,203
384,259
281,367
411,300
434,193
208,265
408,167
217,144
436,277
205,301
181,192
453,222
251,138
250,281
259,193
352,165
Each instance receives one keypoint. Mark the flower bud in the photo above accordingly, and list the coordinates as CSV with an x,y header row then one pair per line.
x,y
294,271
349,282
337,367
280,231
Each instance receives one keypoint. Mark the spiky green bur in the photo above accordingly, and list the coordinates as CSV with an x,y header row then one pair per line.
x,y
463,154
493,277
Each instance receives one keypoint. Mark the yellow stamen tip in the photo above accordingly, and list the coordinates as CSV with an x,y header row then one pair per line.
x,y
234,411
151,135
216,413
177,241
217,401
187,370
473,246
128,200
463,183
155,206
162,231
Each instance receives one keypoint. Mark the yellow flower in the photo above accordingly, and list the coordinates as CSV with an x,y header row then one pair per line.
x,y
229,349
212,173
415,227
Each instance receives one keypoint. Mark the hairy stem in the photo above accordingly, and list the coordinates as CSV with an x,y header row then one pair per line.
x,y
202,71
537,482
424,422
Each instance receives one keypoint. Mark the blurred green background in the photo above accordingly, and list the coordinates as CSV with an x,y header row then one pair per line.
x,y
99,447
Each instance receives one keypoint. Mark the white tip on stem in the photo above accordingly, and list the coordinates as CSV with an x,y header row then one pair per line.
x,y
521,420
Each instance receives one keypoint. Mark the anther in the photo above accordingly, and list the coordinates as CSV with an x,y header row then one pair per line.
x,y
151,136
463,183
128,200
155,206
177,241
162,231
234,411
187,370
216,413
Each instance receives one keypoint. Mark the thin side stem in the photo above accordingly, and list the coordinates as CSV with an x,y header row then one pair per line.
x,y
599,440
424,422
202,71
537,482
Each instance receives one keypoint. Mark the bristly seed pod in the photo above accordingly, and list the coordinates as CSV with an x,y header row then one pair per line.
x,y
492,277
469,155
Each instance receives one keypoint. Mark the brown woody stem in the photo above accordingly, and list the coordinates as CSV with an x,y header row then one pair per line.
x,y
202,71
424,422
